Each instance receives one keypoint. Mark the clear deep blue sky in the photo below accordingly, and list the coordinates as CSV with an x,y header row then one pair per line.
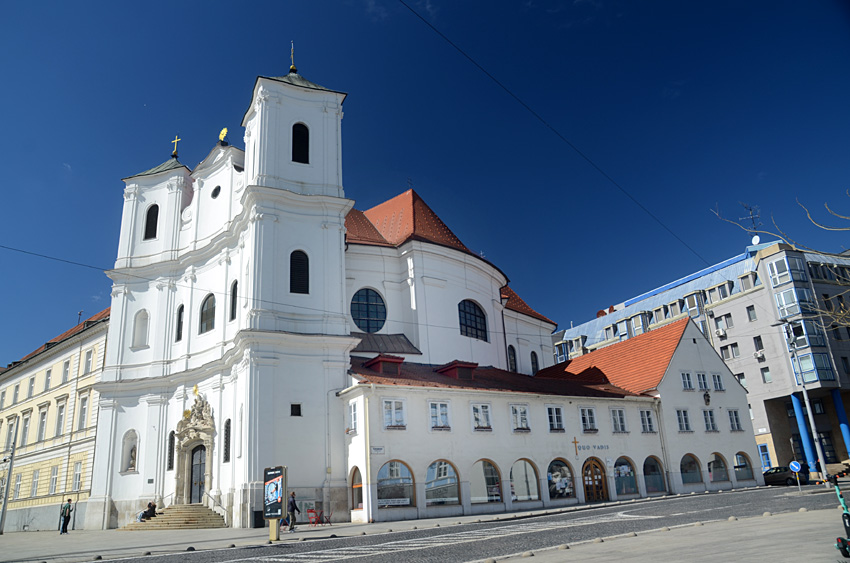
x,y
686,105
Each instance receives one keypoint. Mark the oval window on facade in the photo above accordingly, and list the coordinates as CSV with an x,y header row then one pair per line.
x,y
368,310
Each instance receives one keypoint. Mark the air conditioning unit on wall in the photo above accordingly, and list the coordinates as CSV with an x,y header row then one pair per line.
x,y
721,332
759,355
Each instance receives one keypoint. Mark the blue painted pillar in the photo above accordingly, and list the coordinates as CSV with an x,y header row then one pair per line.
x,y
802,427
842,417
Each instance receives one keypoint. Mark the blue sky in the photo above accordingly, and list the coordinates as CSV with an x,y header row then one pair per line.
x,y
687,106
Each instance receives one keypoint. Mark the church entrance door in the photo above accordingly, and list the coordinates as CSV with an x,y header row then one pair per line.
x,y
199,461
593,473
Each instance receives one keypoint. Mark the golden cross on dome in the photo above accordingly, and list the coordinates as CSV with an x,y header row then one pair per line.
x,y
176,139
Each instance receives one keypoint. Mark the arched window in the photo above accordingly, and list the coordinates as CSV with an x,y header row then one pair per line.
x,y
395,486
653,476
299,272
524,481
368,310
534,364
130,451
743,467
178,330
717,471
511,359
485,485
356,490
151,219
560,478
225,448
234,299
624,477
441,484
140,329
300,143
207,314
689,467
473,323
169,462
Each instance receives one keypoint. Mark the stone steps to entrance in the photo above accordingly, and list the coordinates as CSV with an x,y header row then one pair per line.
x,y
180,517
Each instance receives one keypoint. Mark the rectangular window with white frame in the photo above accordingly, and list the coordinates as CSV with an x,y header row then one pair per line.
x,y
16,494
684,420
42,425
588,419
481,417
25,429
751,313
556,418
735,420
394,414
618,420
88,365
352,417
31,388
702,382
15,394
708,418
66,371
439,411
78,476
82,417
54,478
34,484
519,418
687,382
717,379
647,424
60,419
10,433
2,398
778,272
47,379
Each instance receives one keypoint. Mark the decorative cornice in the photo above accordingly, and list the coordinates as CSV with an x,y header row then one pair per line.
x,y
131,191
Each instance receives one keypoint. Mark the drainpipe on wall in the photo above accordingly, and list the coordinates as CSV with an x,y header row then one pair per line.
x,y
664,456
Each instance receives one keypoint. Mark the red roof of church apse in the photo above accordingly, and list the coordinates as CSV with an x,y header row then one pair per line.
x,y
636,364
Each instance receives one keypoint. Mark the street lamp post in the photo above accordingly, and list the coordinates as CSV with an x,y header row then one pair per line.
x,y
8,479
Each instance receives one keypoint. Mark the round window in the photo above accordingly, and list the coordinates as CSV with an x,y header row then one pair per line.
x,y
368,310
216,191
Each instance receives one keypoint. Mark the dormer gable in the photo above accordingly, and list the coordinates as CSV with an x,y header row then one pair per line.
x,y
385,364
459,370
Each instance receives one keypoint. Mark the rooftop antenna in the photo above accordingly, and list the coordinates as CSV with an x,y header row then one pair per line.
x,y
409,182
79,316
752,216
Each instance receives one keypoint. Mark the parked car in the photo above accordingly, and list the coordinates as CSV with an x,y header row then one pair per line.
x,y
784,476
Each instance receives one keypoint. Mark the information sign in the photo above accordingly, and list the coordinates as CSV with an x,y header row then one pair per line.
x,y
795,467
275,486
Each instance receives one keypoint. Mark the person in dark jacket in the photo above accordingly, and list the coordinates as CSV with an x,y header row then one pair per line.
x,y
65,513
292,508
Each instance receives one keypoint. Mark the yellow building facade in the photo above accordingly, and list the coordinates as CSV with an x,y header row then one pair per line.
x,y
49,395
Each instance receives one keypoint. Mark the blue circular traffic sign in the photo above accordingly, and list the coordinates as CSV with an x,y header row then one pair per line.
x,y
795,467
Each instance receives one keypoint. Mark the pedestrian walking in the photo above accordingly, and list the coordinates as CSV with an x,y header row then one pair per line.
x,y
65,514
292,508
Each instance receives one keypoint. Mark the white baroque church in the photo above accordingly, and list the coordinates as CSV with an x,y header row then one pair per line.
x,y
241,291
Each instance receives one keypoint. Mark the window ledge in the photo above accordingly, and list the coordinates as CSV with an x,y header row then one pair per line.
x,y
129,472
351,431
649,432
620,432
686,431
737,430
590,430
713,431
522,430
132,349
396,427
483,428
688,389
441,428
557,430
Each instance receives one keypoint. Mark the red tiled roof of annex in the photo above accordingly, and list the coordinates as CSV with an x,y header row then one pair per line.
x,y
636,364
69,333
484,379
407,217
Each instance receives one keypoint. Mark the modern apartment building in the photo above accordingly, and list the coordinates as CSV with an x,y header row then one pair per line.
x,y
49,395
764,311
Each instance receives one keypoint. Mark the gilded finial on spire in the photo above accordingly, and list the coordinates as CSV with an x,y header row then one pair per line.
x,y
176,139
292,58
222,136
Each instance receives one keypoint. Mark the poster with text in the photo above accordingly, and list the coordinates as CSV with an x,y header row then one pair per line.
x,y
274,479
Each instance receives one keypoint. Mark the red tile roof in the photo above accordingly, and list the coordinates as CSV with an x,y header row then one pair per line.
x,y
69,333
358,229
406,217
484,379
515,303
637,364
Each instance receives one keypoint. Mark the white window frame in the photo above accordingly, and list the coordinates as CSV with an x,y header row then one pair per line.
x,y
82,412
78,476
751,313
684,420
42,425
647,424
17,492
47,375
555,414
687,382
735,350
34,484
618,421
398,408
588,419
66,371
519,417
439,412
702,382
717,380
61,411
735,420
778,272
482,412
88,365
352,417
54,479
31,388
708,418
25,429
